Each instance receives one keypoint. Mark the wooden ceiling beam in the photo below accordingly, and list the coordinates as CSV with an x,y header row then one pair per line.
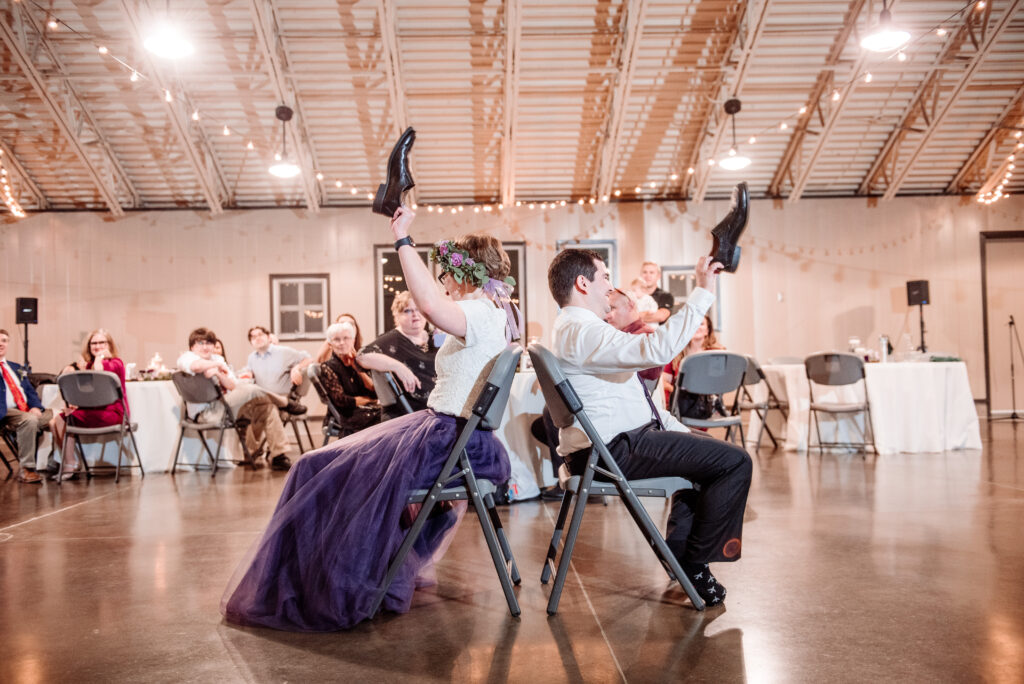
x,y
978,162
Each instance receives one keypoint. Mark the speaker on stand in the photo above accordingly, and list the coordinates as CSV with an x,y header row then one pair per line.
x,y
27,312
917,295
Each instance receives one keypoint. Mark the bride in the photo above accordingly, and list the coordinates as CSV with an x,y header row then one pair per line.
x,y
319,564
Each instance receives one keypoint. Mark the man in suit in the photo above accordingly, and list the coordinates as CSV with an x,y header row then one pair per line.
x,y
21,412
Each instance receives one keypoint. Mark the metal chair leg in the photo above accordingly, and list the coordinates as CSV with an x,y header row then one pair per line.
x,y
493,544
556,535
177,450
570,537
506,549
138,456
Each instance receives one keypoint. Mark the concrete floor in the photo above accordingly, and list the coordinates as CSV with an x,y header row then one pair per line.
x,y
905,568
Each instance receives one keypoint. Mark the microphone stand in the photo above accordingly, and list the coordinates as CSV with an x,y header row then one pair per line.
x,y
1013,381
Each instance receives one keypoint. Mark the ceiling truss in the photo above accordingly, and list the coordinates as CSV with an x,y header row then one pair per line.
x,y
513,38
196,147
935,123
633,23
749,35
68,112
24,179
276,59
977,171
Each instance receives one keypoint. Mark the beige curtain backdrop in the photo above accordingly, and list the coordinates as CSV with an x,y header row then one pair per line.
x,y
812,273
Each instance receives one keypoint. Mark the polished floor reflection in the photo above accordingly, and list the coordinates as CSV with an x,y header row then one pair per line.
x,y
901,568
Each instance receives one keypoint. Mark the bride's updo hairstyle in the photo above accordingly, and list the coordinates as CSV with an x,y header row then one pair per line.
x,y
487,250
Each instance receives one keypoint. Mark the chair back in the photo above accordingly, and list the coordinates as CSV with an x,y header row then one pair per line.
x,y
754,373
90,389
389,392
313,373
490,403
196,388
559,395
834,368
712,372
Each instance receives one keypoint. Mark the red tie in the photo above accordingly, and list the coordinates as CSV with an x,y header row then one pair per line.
x,y
19,398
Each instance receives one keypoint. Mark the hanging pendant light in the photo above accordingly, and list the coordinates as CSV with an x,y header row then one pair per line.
x,y
283,166
884,37
734,161
165,39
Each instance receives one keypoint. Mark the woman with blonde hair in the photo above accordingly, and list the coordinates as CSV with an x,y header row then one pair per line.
x,y
99,352
324,554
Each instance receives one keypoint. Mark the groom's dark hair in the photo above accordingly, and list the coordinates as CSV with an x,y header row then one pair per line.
x,y
563,270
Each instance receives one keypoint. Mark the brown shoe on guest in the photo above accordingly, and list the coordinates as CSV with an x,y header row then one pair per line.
x,y
29,477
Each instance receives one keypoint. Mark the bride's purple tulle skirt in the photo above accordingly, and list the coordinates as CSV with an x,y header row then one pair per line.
x,y
324,554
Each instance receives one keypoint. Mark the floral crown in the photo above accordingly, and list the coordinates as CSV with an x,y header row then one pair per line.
x,y
455,260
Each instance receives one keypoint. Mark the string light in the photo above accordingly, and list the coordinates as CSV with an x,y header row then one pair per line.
x,y
835,95
901,56
941,32
868,77
752,140
167,96
103,49
195,115
319,176
783,126
226,131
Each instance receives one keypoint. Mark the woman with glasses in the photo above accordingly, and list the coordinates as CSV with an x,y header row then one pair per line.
x,y
319,564
99,352
408,351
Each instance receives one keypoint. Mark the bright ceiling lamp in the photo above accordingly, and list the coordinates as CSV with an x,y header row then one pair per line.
x,y
884,37
734,161
284,167
168,42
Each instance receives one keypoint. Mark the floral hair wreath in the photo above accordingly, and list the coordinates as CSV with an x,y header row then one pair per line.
x,y
455,260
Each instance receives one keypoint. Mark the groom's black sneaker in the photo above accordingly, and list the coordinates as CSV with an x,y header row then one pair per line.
x,y
705,583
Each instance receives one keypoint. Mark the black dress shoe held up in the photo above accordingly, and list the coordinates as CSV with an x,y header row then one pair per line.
x,y
399,180
726,234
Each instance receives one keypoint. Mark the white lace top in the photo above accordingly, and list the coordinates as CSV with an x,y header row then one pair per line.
x,y
463,363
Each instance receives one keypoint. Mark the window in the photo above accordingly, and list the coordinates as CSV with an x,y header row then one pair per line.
x,y
299,305
680,281
390,279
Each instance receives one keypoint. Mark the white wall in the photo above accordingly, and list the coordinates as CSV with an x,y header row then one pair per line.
x,y
812,273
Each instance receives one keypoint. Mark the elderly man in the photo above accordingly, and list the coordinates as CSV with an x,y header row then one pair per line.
x,y
602,362
650,274
247,401
22,412
278,369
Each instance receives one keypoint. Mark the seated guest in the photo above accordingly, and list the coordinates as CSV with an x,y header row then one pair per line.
x,y
246,400
99,352
625,316
21,412
325,348
218,349
407,351
277,368
348,386
337,526
689,404
704,526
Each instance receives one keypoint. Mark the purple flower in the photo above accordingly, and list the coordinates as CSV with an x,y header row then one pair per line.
x,y
456,259
470,262
443,249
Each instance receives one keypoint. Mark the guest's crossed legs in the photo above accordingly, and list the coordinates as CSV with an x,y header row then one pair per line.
x,y
704,526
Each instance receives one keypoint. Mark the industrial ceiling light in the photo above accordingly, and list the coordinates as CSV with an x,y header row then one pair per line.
x,y
884,37
284,167
734,161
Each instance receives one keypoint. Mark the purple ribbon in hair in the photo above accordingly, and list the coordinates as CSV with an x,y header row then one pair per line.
x,y
499,293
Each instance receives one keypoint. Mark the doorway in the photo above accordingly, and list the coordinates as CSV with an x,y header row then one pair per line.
x,y
1002,292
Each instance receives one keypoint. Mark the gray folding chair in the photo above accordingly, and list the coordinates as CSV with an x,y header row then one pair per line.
x,y
711,372
566,407
95,390
745,400
462,484
12,445
837,369
199,389
392,397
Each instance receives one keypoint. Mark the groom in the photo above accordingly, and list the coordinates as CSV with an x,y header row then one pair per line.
x,y
602,362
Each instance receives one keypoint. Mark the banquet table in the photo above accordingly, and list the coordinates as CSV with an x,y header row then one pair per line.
x,y
156,406
915,407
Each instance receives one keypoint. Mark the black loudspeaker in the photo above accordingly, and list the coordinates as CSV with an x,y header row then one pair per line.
x,y
28,310
917,292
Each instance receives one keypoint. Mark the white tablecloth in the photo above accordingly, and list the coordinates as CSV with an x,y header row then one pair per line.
x,y
915,407
156,407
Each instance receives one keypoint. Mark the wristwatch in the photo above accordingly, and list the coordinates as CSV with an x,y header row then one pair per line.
x,y
404,241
